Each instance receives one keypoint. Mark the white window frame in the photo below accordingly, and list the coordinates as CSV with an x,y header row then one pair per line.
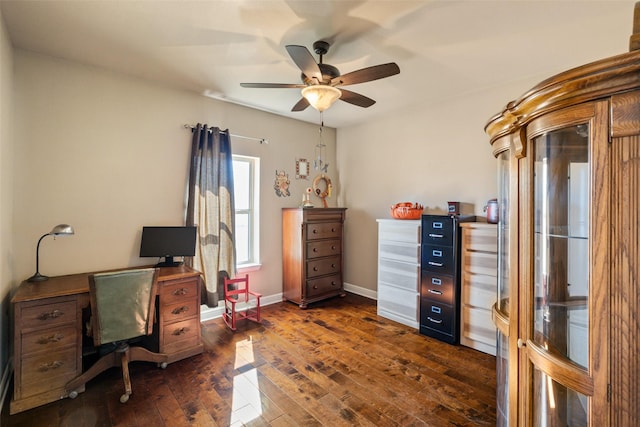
x,y
254,212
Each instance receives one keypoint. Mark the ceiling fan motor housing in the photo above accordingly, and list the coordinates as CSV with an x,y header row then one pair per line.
x,y
329,72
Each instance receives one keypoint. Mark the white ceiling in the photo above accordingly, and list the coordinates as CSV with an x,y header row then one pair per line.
x,y
445,49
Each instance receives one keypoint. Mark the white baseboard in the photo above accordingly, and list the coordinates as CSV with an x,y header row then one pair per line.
x,y
210,313
6,380
363,292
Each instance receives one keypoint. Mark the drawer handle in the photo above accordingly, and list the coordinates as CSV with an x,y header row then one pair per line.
x,y
333,248
435,264
181,291
314,231
315,268
180,310
49,339
333,283
315,249
180,331
51,365
315,286
436,236
51,315
333,230
438,321
333,266
433,291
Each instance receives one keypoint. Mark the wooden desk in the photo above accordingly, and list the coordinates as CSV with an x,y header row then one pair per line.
x,y
48,330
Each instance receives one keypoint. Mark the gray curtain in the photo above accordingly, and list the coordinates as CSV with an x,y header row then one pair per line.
x,y
210,206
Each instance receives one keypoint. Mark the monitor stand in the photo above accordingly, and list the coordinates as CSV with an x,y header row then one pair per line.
x,y
169,262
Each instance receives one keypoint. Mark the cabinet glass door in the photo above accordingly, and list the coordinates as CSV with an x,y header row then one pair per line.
x,y
559,338
502,303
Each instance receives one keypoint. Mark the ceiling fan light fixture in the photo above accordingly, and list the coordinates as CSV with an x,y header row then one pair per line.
x,y
322,96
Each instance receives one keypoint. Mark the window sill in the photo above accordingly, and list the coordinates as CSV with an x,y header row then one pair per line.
x,y
247,268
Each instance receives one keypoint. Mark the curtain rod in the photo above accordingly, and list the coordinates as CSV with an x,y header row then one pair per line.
x,y
260,140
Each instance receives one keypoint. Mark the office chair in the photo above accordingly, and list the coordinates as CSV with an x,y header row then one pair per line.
x,y
240,302
122,308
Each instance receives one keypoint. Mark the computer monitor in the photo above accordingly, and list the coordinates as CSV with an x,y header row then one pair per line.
x,y
168,242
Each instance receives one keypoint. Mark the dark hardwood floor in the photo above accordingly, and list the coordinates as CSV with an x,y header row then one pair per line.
x,y
335,364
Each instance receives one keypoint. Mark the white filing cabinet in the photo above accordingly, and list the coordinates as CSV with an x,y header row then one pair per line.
x,y
399,270
479,271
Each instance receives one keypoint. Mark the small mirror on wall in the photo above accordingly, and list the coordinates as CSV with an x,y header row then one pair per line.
x,y
302,169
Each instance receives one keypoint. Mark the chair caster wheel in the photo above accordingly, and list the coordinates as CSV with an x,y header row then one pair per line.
x,y
124,398
162,365
73,394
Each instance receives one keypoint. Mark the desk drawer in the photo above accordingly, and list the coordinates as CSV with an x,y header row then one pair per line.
x,y
47,371
323,266
179,331
48,315
179,311
49,339
179,292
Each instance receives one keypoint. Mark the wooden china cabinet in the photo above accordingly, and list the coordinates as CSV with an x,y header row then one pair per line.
x,y
568,306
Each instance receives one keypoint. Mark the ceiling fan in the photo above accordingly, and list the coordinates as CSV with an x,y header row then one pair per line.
x,y
320,81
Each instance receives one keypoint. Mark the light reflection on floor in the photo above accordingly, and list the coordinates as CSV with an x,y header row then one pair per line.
x,y
246,405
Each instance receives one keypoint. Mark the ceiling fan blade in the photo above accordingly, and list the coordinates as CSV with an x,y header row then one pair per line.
x,y
273,85
304,60
356,99
367,74
301,105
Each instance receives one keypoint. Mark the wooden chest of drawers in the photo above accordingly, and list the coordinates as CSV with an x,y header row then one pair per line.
x,y
399,270
479,271
312,254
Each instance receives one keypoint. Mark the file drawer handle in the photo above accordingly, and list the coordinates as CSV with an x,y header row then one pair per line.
x,y
436,236
180,331
433,291
180,310
438,321
51,365
181,291
51,315
49,339
436,264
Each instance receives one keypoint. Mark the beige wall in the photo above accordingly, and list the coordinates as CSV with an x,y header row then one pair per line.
x,y
7,276
108,154
430,155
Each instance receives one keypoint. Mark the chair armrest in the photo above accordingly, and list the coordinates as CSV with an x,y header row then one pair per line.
x,y
255,294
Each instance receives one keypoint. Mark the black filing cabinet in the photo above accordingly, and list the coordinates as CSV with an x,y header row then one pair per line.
x,y
439,277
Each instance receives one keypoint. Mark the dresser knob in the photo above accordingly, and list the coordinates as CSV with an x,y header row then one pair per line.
x,y
50,315
180,331
181,291
180,310
51,365
50,338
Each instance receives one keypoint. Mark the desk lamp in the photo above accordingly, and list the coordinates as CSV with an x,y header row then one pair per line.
x,y
58,230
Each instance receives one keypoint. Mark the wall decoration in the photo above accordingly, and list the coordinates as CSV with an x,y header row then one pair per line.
x,y
302,169
322,188
281,184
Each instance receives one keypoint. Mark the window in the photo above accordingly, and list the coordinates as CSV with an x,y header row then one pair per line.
x,y
246,173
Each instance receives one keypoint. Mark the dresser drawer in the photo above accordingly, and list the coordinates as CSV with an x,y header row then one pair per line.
x,y
480,263
47,371
438,287
478,290
48,315
324,285
399,251
49,339
437,230
438,316
322,266
479,239
179,311
324,230
438,258
407,231
321,248
179,291
398,274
